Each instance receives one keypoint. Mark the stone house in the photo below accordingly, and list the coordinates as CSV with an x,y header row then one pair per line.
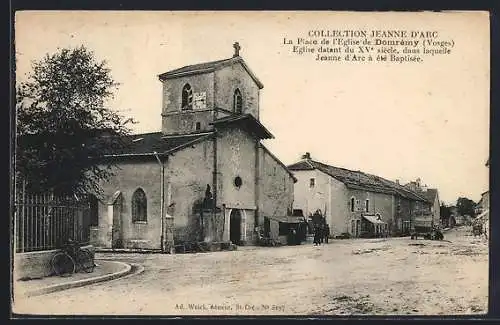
x,y
206,170
354,201
483,204
432,216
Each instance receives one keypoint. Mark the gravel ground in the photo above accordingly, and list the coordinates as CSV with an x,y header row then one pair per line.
x,y
394,276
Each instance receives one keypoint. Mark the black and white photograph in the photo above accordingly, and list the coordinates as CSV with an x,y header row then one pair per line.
x,y
230,163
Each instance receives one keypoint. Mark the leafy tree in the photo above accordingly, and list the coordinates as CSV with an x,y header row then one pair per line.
x,y
61,112
465,206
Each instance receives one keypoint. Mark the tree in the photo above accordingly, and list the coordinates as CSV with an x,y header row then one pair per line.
x,y
465,206
61,112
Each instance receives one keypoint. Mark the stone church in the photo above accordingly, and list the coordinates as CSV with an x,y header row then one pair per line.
x,y
206,172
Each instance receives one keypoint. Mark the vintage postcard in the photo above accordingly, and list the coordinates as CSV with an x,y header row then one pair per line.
x,y
251,163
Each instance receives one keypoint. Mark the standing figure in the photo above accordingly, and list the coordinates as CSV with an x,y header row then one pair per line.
x,y
316,236
326,232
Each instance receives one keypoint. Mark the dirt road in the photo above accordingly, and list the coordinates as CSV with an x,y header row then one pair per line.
x,y
394,276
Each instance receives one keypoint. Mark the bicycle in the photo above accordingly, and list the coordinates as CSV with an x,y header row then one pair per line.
x,y
71,259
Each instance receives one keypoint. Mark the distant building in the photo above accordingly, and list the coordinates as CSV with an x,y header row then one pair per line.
x,y
448,221
482,209
457,219
432,195
484,203
355,202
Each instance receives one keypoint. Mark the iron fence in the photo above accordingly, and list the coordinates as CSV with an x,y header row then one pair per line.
x,y
45,221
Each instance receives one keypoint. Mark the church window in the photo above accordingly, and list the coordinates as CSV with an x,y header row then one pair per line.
x,y
353,205
187,97
139,206
367,205
238,101
198,126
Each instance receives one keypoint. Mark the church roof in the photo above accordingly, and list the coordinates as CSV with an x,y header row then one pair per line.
x,y
358,179
246,122
207,67
147,144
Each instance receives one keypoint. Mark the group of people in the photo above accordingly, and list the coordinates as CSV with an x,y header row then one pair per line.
x,y
297,234
321,233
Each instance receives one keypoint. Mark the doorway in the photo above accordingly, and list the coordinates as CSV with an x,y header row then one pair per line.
x,y
267,227
235,227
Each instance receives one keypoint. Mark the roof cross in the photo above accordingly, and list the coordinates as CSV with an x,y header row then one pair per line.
x,y
237,48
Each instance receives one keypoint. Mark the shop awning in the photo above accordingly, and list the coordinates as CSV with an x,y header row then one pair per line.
x,y
374,219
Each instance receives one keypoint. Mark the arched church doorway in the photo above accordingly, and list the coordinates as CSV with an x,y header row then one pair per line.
x,y
235,227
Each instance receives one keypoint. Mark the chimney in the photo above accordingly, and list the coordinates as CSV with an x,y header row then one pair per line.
x,y
424,188
397,181
306,156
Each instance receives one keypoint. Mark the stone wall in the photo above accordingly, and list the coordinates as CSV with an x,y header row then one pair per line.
x,y
226,82
236,158
276,186
174,120
36,264
188,172
338,209
129,176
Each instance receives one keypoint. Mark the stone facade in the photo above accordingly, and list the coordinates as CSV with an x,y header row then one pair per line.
x,y
377,203
233,77
217,88
129,176
333,198
344,197
276,186
178,121
217,187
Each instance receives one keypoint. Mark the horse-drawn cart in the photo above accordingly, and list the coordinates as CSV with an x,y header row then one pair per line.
x,y
426,230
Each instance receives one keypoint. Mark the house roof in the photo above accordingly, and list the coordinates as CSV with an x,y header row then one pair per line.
x,y
207,67
358,179
147,144
246,122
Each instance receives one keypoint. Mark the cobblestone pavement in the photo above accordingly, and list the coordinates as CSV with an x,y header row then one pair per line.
x,y
394,276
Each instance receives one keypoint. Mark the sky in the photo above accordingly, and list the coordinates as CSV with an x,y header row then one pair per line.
x,y
426,120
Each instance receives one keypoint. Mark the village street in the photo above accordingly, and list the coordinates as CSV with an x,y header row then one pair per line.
x,y
394,276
